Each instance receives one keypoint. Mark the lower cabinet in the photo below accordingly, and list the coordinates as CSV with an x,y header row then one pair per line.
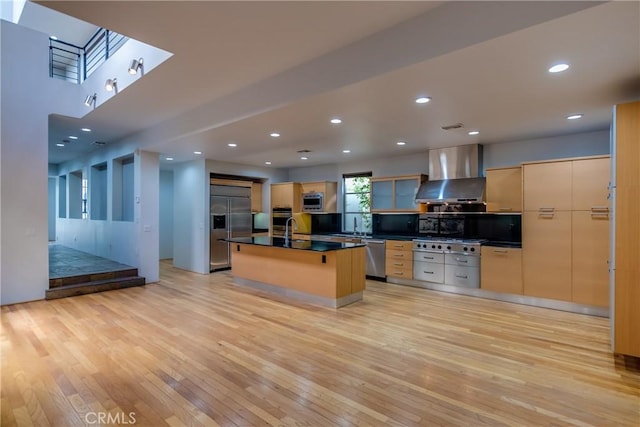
x,y
546,255
501,270
590,282
399,259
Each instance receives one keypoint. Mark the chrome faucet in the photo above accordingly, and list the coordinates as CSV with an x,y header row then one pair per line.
x,y
286,229
355,226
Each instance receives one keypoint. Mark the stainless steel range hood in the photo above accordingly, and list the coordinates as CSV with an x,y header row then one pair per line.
x,y
454,176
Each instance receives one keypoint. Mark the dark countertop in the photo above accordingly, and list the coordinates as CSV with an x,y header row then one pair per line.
x,y
305,245
368,236
503,244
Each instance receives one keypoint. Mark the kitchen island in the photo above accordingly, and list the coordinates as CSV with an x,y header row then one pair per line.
x,y
323,273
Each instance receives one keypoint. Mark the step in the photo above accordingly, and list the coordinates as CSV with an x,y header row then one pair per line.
x,y
92,277
94,286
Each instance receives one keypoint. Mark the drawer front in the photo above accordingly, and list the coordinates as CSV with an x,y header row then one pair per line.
x,y
399,245
428,272
391,254
462,260
428,257
391,264
462,276
399,272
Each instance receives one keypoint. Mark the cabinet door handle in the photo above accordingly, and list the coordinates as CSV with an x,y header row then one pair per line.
x,y
399,273
547,209
461,277
599,208
505,209
600,214
500,251
462,260
399,255
399,264
397,246
545,214
429,272
427,257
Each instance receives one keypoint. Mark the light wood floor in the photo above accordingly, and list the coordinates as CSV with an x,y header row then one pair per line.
x,y
197,351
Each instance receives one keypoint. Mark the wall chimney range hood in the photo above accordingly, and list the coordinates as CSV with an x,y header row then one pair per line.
x,y
454,176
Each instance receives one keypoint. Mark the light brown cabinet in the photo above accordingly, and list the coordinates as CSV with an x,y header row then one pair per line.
x,y
329,189
256,197
399,259
626,315
546,254
395,194
590,252
547,186
501,269
286,195
564,231
504,189
590,179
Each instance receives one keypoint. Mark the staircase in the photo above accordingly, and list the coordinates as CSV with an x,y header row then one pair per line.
x,y
89,283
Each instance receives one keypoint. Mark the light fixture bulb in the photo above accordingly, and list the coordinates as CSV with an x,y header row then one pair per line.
x,y
336,120
346,151
401,143
197,152
304,158
136,65
267,163
85,130
422,100
60,144
473,132
558,68
275,134
90,100
111,84
232,144
574,117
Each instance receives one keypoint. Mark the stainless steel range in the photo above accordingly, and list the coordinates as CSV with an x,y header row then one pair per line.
x,y
447,261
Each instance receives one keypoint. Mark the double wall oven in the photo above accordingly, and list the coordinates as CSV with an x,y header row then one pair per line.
x,y
279,217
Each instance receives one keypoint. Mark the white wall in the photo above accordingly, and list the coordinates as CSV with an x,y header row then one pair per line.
x,y
147,217
51,208
190,235
558,147
28,96
166,214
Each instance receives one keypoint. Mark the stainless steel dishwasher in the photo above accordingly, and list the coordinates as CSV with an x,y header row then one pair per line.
x,y
375,257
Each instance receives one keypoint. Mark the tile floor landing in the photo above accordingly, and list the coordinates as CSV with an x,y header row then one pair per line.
x,y
67,262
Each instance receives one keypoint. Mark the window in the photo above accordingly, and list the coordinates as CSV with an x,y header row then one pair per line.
x,y
357,202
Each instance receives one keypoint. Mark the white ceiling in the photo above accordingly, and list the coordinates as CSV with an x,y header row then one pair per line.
x,y
241,70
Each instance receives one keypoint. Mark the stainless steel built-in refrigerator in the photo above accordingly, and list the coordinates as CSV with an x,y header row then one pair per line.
x,y
230,211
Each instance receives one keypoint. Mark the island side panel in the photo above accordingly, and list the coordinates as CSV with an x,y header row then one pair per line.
x,y
350,271
288,268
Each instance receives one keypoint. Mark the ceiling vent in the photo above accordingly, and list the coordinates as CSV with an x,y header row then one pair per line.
x,y
304,151
453,126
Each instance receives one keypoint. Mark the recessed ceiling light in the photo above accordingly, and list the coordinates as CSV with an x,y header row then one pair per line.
x,y
197,152
169,158
267,163
73,137
422,100
336,120
274,134
232,144
558,68
473,132
401,143
574,117
85,130
304,158
346,151
60,145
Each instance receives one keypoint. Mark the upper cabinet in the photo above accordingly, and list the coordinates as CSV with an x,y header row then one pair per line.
x,y
256,197
504,189
547,186
396,194
286,195
590,179
329,189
